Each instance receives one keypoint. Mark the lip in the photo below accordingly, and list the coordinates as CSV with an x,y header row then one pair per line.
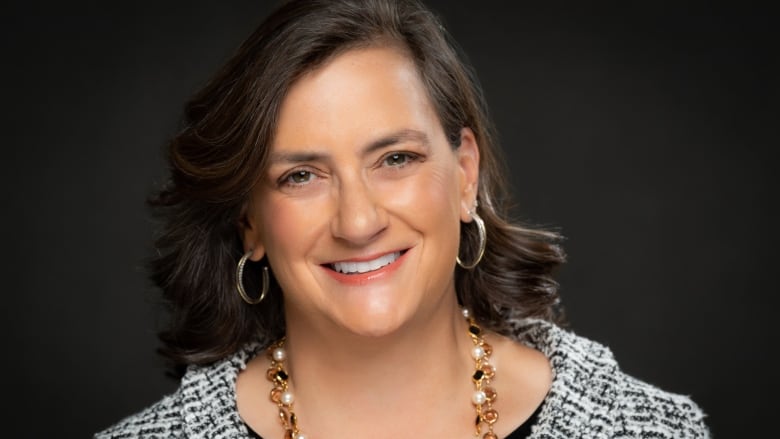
x,y
363,278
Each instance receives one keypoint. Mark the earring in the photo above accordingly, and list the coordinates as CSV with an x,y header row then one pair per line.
x,y
240,281
482,240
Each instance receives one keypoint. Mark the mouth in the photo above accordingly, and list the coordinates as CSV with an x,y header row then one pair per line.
x,y
362,267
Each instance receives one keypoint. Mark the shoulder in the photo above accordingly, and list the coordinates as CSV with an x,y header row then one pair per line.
x,y
159,420
646,411
591,397
202,406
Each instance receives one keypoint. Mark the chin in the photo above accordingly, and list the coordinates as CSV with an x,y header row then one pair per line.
x,y
373,323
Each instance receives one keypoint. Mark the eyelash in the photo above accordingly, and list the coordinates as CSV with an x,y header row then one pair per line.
x,y
287,179
409,158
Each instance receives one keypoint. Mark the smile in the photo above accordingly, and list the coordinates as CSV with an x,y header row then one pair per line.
x,y
347,267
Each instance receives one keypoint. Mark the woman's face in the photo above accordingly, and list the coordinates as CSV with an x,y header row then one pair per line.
x,y
359,211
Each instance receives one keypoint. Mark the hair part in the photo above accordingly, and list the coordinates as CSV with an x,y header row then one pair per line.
x,y
222,150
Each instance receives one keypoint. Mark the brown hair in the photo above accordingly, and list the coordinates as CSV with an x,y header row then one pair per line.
x,y
222,148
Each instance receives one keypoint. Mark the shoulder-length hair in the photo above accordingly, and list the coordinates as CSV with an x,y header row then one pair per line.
x,y
222,149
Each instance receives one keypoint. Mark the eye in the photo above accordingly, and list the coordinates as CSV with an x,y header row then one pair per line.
x,y
398,159
299,177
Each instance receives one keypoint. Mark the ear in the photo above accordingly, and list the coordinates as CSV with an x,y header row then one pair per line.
x,y
248,228
468,160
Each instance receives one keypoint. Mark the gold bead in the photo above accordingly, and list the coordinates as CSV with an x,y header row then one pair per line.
x,y
491,394
270,374
488,370
490,435
490,416
488,349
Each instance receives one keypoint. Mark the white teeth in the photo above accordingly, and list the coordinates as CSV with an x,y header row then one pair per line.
x,y
365,267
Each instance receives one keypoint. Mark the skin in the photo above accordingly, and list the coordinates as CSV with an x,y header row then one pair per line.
x,y
361,168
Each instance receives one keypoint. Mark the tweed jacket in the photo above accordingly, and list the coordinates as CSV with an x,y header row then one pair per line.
x,y
590,397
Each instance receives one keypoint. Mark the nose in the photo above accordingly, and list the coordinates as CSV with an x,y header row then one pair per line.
x,y
359,218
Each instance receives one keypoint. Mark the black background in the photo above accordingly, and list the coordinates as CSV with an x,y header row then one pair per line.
x,y
641,130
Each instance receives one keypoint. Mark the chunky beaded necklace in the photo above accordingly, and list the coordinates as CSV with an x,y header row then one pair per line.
x,y
483,397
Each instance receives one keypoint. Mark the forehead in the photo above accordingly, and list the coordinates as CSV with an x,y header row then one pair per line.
x,y
356,95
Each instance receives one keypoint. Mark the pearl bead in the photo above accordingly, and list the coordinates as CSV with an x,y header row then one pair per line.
x,y
466,312
279,354
478,352
300,436
287,398
479,397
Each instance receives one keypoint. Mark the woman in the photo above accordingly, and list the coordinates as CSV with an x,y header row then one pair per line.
x,y
339,262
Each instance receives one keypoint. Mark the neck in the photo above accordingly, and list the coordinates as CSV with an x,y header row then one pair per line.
x,y
422,367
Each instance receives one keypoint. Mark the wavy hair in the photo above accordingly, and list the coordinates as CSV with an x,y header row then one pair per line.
x,y
223,145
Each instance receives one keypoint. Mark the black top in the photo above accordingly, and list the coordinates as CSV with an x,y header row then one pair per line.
x,y
521,432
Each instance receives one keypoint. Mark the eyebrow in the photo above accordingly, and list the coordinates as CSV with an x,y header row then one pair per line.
x,y
406,135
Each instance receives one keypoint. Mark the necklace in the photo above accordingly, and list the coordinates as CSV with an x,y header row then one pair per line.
x,y
482,399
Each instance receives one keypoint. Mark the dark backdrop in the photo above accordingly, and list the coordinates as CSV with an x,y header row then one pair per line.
x,y
642,131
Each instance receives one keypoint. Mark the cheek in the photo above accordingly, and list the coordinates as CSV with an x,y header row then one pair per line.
x,y
288,226
431,195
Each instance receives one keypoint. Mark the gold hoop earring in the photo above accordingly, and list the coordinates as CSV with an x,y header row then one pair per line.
x,y
482,240
240,281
